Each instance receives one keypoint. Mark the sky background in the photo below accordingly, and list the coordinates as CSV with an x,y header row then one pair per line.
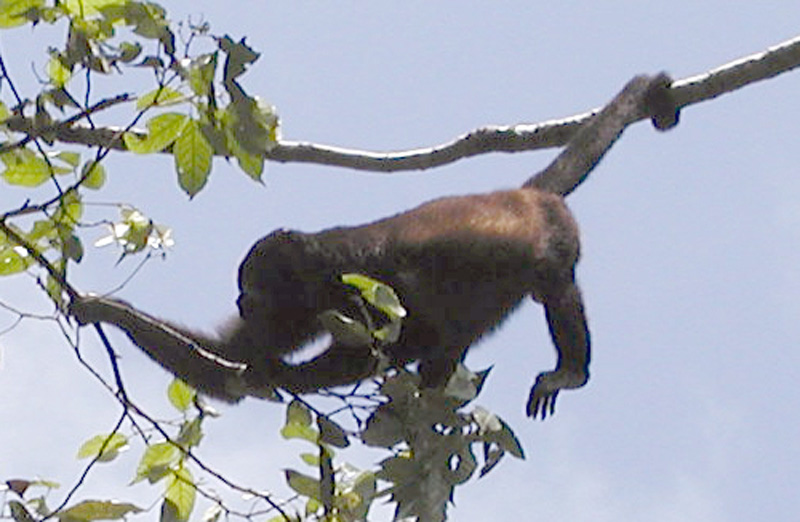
x,y
690,268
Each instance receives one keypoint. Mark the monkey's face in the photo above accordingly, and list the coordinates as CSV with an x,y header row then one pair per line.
x,y
268,281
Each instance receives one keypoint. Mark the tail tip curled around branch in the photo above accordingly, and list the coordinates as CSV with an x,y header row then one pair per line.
x,y
660,103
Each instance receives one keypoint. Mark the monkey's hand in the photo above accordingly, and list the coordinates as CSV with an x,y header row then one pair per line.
x,y
87,309
542,400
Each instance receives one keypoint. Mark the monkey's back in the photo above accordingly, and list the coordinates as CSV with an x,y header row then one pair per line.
x,y
462,264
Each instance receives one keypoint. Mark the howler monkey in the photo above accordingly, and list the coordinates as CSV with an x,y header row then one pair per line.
x,y
460,265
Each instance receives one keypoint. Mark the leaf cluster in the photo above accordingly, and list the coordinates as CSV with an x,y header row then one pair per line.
x,y
163,462
434,441
436,445
342,493
115,37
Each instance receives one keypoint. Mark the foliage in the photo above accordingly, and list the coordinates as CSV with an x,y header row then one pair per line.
x,y
112,37
195,110
431,439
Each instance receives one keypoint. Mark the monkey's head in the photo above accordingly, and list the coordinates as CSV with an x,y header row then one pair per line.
x,y
285,282
269,276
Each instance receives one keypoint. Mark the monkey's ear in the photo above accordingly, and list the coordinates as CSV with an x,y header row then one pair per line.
x,y
660,104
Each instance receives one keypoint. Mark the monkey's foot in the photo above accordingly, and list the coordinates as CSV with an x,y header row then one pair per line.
x,y
542,400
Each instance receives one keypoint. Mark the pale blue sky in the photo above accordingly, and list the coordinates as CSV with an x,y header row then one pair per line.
x,y
691,266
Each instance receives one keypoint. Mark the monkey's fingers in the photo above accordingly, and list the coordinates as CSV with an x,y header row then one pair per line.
x,y
541,402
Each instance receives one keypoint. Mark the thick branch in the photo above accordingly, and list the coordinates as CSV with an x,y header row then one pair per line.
x,y
493,138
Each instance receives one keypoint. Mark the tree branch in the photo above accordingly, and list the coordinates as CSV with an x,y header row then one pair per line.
x,y
492,138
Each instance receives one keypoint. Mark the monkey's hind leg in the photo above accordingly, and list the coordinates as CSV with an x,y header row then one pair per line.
x,y
567,322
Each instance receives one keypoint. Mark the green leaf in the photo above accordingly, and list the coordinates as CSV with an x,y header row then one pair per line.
x,y
93,175
327,485
129,51
494,430
312,459
492,455
251,125
156,462
12,12
73,159
42,228
191,433
385,299
169,512
251,164
148,18
378,294
13,260
181,493
250,161
303,484
160,97
111,446
296,431
98,510
181,395
331,433
19,512
462,464
298,413
508,441
462,384
239,56
89,7
4,112
389,333
193,155
358,496
69,211
200,74
49,484
399,469
298,423
57,72
312,506
162,131
29,170
384,428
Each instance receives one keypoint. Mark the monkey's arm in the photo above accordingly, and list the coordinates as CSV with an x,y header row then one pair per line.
x,y
567,323
187,355
338,366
